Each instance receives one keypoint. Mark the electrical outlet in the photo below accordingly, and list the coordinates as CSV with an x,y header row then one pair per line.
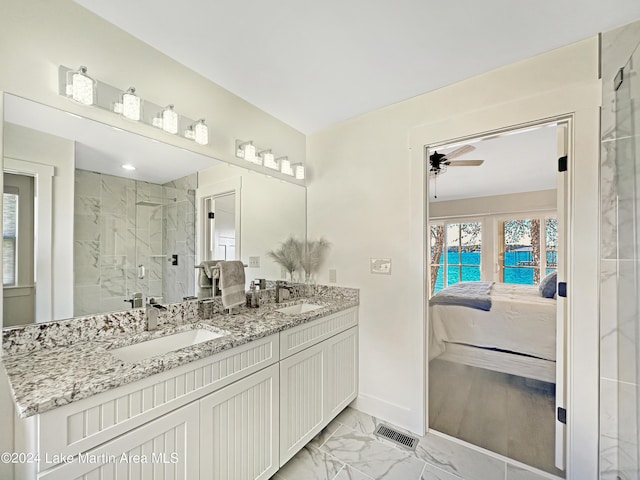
x,y
254,262
332,276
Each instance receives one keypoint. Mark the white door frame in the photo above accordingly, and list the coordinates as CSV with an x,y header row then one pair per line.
x,y
43,229
226,187
420,145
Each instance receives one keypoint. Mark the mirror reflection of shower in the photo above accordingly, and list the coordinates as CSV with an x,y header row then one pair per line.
x,y
132,237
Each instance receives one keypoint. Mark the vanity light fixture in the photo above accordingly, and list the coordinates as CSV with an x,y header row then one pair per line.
x,y
80,86
285,166
129,107
202,132
199,132
298,170
246,150
269,159
169,120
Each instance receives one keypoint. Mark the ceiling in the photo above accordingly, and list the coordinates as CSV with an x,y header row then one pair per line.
x,y
519,161
104,149
314,64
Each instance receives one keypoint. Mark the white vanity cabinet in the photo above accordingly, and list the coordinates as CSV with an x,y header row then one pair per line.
x,y
119,418
239,429
237,415
317,381
165,448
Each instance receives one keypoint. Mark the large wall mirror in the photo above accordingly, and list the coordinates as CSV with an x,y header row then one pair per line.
x,y
93,214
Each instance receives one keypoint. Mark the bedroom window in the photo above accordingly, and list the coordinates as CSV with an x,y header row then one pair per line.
x,y
528,249
455,253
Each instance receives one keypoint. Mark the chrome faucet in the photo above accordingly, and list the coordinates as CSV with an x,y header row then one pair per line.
x,y
151,312
282,285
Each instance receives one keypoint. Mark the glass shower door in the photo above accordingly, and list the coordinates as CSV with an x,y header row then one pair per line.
x,y
628,271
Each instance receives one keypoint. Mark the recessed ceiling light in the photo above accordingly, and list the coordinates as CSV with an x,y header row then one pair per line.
x,y
128,167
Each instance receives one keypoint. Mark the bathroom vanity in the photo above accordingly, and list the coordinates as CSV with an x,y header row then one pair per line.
x,y
237,406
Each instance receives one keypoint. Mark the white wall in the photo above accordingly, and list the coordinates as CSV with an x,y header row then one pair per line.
x,y
33,146
270,211
367,195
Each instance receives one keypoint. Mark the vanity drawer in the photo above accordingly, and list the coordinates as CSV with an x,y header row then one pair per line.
x,y
308,334
82,425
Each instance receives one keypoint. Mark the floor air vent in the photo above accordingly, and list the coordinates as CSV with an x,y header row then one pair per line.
x,y
396,437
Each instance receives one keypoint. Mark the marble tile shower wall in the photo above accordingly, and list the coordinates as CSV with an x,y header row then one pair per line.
x,y
179,238
619,200
121,224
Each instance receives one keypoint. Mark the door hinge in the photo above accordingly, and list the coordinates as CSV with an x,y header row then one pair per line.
x,y
211,215
618,80
562,289
563,164
562,415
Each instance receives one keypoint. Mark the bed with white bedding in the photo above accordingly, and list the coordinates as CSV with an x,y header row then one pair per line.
x,y
517,335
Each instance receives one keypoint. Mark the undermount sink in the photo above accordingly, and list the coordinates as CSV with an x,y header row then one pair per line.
x,y
299,308
159,346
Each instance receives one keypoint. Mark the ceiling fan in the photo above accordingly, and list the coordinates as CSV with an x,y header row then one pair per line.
x,y
439,162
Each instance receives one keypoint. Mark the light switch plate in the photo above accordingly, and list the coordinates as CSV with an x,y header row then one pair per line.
x,y
254,262
332,275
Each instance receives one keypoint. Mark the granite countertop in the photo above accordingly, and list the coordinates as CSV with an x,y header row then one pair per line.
x,y
53,376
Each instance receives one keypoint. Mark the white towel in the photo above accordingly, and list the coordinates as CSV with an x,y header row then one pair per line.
x,y
232,283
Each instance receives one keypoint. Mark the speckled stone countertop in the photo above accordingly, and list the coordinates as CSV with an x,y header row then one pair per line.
x,y
46,371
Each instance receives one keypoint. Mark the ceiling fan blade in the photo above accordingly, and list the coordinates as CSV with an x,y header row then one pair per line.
x,y
461,151
465,163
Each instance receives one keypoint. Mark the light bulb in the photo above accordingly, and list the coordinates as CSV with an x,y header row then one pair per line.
x,y
170,120
131,105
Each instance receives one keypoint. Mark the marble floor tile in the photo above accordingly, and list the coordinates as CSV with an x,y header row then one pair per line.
x,y
369,456
458,459
310,464
349,473
434,473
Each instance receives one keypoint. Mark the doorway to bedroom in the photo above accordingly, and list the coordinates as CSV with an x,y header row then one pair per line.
x,y
496,249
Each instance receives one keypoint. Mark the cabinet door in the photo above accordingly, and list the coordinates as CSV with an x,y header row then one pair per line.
x,y
342,371
239,429
302,399
164,449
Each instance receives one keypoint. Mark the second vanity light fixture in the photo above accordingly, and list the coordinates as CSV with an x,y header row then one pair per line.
x,y
83,89
248,151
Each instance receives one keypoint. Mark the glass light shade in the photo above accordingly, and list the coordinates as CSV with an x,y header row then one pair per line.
x,y
201,133
157,122
285,166
81,87
269,160
299,171
249,152
131,105
170,120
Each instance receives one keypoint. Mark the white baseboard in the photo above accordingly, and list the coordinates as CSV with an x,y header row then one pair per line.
x,y
398,415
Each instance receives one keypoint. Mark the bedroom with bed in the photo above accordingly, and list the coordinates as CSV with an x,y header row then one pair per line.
x,y
496,250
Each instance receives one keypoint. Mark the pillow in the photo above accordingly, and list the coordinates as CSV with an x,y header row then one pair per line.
x,y
547,286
